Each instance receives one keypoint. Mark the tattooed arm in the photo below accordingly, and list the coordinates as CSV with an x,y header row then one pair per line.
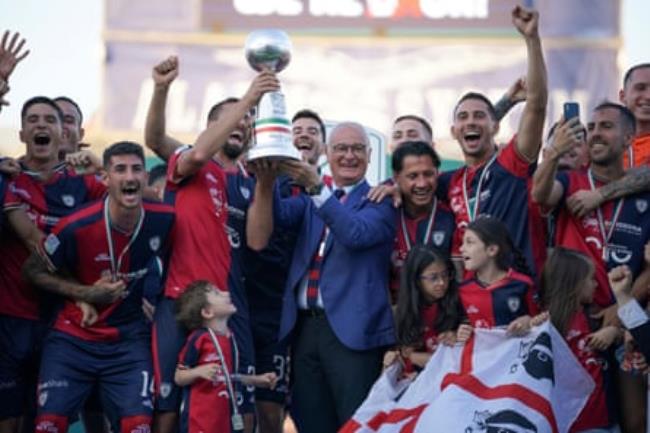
x,y
636,180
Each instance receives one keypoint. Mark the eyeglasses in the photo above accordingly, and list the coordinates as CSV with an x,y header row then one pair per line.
x,y
342,149
436,276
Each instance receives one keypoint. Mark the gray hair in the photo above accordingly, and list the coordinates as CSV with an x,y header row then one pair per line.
x,y
353,125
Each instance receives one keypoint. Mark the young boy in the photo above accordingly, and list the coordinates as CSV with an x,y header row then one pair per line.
x,y
208,363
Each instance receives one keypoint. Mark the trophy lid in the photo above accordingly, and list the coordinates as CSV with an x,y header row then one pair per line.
x,y
268,47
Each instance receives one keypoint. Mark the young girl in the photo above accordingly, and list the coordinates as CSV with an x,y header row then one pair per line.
x,y
495,294
208,364
428,309
567,287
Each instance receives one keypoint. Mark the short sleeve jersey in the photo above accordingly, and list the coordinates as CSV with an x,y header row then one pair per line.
x,y
438,236
206,404
502,188
595,413
80,245
201,240
628,236
638,153
45,203
499,303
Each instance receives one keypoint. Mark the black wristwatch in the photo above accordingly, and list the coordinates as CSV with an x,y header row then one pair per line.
x,y
316,189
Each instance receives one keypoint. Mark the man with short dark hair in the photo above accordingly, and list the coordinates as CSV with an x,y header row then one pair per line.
x,y
308,135
209,239
410,127
44,191
423,219
99,255
496,182
615,233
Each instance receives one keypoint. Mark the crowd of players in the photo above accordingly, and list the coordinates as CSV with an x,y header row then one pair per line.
x,y
178,311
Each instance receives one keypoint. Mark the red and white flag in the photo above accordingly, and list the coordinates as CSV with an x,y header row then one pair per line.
x,y
532,384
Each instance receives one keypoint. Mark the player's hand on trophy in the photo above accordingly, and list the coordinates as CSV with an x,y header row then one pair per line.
x,y
266,81
302,173
266,170
165,72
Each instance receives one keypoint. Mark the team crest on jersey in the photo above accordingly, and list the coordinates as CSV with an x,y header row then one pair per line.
x,y
51,243
513,303
641,205
42,398
438,238
245,192
68,200
154,243
165,389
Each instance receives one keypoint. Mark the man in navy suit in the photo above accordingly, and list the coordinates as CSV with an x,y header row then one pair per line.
x,y
336,311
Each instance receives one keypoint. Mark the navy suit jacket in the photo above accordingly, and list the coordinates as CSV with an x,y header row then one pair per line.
x,y
354,271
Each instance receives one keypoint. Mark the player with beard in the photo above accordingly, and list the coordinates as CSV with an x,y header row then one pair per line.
x,y
46,190
635,95
496,183
612,235
209,239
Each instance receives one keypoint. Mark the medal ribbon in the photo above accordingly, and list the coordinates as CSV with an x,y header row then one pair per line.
x,y
427,233
473,212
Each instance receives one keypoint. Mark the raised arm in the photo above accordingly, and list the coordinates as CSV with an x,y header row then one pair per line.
x,y
259,220
155,134
546,189
531,125
10,55
212,139
515,94
36,271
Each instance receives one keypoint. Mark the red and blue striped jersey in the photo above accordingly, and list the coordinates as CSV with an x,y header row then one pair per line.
x,y
499,303
505,184
628,236
79,245
45,202
206,403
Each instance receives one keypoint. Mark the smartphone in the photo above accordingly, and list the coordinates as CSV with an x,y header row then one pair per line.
x,y
571,110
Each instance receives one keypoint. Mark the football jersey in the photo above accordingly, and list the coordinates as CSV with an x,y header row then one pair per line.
x,y
266,271
435,230
206,403
595,413
499,188
79,244
638,153
45,203
201,240
499,303
628,235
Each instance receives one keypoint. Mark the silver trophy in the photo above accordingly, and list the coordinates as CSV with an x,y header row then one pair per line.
x,y
270,49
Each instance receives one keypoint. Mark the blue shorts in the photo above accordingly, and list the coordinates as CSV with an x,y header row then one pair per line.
x,y
20,347
71,367
270,355
241,329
